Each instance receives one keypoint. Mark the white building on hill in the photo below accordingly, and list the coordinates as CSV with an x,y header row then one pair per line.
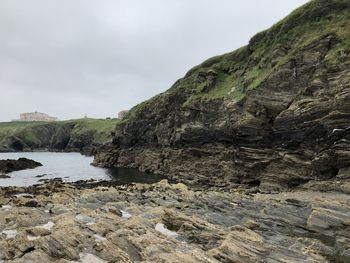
x,y
36,116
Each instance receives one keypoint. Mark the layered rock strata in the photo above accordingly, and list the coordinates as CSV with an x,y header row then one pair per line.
x,y
274,113
165,222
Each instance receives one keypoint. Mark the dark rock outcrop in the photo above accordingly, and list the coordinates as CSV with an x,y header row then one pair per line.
x,y
7,166
274,114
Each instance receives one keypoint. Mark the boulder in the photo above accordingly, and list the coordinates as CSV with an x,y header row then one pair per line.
x,y
7,166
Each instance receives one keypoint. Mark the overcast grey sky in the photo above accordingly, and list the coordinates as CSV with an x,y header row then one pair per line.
x,y
71,57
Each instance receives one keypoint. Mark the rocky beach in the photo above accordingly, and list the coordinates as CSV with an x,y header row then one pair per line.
x,y
162,222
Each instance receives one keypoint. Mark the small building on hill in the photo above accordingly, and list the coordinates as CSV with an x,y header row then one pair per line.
x,y
36,116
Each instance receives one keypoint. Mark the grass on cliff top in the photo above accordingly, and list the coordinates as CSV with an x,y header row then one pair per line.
x,y
237,74
101,127
249,67
11,128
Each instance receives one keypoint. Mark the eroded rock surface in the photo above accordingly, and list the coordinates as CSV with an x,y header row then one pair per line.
x,y
171,223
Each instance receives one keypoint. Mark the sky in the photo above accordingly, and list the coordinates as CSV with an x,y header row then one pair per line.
x,y
69,58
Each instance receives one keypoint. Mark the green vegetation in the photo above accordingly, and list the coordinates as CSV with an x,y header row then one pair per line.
x,y
101,128
248,67
12,128
238,73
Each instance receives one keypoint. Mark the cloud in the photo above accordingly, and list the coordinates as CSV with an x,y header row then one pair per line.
x,y
68,58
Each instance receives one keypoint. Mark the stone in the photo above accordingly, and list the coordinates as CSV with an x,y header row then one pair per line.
x,y
206,225
7,166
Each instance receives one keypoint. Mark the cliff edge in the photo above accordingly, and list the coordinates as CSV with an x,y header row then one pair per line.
x,y
273,114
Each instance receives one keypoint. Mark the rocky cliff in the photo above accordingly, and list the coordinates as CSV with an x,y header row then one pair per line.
x,y
82,135
273,114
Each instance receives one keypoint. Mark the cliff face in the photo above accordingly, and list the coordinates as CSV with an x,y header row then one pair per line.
x,y
83,135
273,114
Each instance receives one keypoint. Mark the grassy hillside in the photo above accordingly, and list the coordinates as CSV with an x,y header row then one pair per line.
x,y
247,67
102,128
231,76
99,129
13,128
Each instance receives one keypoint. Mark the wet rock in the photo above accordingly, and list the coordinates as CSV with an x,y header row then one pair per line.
x,y
40,175
7,166
32,203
